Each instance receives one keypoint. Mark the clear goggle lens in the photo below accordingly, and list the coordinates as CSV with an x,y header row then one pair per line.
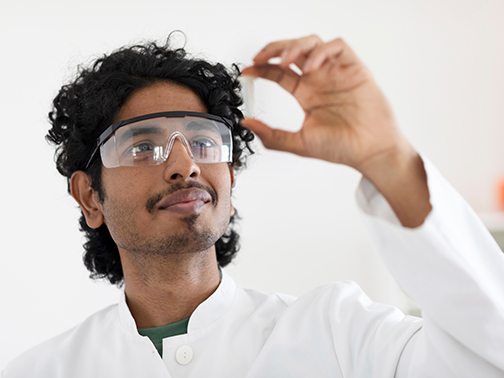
x,y
149,142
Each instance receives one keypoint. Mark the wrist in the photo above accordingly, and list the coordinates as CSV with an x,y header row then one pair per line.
x,y
399,175
391,165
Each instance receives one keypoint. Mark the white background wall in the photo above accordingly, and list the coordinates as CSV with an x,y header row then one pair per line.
x,y
439,62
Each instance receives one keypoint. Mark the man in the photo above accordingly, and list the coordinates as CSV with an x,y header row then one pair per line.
x,y
145,140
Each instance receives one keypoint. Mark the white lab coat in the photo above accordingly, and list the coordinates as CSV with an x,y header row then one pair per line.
x,y
450,266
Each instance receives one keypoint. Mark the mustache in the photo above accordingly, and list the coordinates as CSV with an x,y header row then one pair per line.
x,y
156,198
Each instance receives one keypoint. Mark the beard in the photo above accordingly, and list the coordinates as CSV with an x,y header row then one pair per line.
x,y
191,236
191,240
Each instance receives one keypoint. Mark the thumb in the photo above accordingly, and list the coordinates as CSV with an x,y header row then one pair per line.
x,y
275,139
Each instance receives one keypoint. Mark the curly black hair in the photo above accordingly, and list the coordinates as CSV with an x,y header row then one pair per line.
x,y
85,107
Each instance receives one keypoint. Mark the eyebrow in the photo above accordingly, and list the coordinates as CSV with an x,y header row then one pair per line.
x,y
131,133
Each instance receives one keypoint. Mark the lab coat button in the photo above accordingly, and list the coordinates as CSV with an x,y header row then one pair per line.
x,y
184,355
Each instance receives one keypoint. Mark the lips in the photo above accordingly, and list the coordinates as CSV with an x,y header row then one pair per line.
x,y
185,197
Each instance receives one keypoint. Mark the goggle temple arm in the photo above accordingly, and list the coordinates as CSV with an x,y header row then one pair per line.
x,y
92,156
103,136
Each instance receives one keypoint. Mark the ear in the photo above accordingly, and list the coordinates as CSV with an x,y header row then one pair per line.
x,y
87,198
231,174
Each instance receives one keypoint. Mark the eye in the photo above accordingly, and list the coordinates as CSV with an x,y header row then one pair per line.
x,y
203,142
140,151
140,148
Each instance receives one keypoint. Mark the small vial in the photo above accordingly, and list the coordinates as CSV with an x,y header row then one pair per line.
x,y
247,83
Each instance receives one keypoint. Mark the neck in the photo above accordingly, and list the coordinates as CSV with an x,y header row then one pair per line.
x,y
164,290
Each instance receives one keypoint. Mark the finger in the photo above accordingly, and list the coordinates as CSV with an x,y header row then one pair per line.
x,y
275,50
298,49
271,50
335,49
285,77
275,139
290,51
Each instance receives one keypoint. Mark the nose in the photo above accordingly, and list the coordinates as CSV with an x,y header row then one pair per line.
x,y
179,165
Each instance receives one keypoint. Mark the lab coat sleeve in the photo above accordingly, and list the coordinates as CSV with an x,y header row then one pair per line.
x,y
454,270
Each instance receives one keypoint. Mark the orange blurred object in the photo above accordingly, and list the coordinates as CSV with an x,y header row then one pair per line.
x,y
501,194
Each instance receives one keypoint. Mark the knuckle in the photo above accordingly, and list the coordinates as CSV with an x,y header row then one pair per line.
x,y
270,47
339,41
265,48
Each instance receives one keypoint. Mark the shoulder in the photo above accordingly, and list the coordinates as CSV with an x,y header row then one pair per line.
x,y
278,299
325,300
44,357
340,302
336,294
342,310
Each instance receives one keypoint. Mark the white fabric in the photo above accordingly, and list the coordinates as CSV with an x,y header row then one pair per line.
x,y
450,266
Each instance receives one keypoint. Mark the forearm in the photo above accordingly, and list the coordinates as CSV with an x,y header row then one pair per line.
x,y
399,176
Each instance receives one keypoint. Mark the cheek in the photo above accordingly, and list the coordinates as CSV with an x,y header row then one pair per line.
x,y
118,214
123,198
219,178
224,193
124,184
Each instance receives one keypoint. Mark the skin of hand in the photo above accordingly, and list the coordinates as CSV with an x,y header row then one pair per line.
x,y
348,120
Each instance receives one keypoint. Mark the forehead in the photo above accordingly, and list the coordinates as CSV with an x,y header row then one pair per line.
x,y
160,97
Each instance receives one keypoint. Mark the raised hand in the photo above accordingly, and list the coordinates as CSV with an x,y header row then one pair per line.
x,y
347,118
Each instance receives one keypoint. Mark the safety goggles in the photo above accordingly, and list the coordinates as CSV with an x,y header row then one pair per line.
x,y
147,140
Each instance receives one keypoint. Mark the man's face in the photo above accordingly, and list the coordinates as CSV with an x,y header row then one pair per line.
x,y
173,208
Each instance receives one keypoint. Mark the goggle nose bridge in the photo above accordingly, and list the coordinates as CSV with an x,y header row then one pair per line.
x,y
171,142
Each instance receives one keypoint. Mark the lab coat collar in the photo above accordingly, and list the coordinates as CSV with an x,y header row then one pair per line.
x,y
213,308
